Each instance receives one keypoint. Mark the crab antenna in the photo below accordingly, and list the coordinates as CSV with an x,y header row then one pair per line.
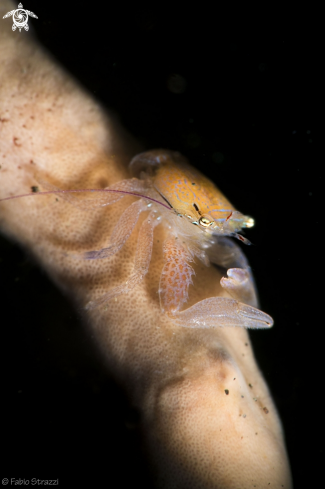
x,y
86,190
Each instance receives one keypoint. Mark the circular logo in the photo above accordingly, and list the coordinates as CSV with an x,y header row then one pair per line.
x,y
20,18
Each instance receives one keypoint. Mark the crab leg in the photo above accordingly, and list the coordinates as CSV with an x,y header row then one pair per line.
x,y
216,311
220,311
175,277
141,265
240,285
121,232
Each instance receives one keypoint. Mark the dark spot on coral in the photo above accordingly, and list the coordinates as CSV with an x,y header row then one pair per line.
x,y
226,392
15,140
34,188
250,385
265,409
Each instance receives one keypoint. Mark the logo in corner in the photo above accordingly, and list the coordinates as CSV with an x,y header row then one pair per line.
x,y
20,18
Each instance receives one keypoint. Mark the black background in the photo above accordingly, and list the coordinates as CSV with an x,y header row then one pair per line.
x,y
249,116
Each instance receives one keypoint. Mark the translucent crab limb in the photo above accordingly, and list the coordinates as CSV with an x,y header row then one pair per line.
x,y
240,285
102,197
220,312
175,277
141,265
215,311
226,253
121,232
200,254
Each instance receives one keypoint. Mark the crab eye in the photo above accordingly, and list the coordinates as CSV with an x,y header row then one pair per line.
x,y
205,222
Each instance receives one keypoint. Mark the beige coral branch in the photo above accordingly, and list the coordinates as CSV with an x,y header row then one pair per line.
x,y
207,417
